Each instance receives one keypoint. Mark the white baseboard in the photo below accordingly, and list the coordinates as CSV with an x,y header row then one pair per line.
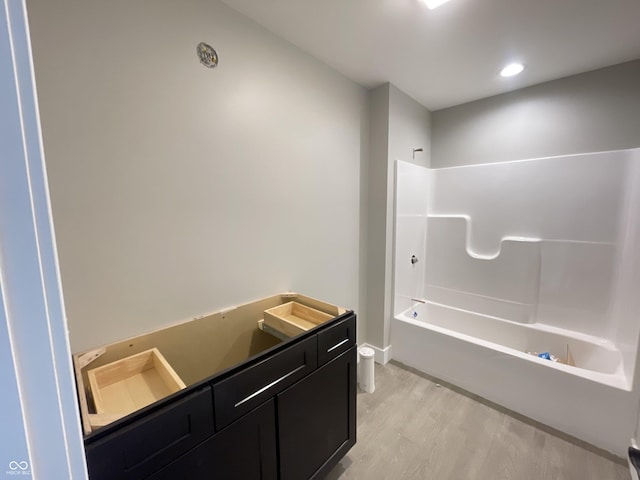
x,y
383,355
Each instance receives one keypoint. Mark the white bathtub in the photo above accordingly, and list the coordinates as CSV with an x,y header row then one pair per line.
x,y
595,358
486,356
528,255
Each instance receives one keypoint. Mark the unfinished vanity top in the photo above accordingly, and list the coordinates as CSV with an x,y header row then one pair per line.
x,y
118,379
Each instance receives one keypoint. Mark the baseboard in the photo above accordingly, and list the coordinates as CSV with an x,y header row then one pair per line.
x,y
383,355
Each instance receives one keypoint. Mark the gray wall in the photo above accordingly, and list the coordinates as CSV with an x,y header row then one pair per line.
x,y
590,112
409,128
398,125
376,214
178,190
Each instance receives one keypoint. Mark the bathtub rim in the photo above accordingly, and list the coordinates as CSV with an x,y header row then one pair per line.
x,y
616,380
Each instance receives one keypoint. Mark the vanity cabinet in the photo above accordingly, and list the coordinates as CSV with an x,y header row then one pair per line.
x,y
317,419
288,411
245,449
140,448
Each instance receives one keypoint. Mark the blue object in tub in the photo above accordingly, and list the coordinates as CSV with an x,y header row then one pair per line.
x,y
545,355
415,314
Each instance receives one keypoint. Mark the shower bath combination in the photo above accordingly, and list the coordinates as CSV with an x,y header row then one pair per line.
x,y
531,256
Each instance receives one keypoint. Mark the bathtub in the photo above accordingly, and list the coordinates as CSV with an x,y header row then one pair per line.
x,y
487,356
594,358
536,255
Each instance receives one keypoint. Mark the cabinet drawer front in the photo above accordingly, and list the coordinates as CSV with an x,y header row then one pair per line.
x,y
145,446
336,340
238,394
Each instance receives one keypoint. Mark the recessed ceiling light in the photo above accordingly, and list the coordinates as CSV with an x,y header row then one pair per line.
x,y
431,4
511,70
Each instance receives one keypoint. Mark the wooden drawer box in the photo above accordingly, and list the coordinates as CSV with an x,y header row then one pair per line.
x,y
293,318
196,349
127,385
225,420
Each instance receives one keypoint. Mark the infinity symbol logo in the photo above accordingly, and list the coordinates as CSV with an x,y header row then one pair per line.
x,y
13,465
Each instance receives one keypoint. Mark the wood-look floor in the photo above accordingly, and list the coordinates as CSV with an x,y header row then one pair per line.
x,y
410,428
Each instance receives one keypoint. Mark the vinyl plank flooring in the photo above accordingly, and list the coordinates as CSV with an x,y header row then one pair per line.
x,y
411,428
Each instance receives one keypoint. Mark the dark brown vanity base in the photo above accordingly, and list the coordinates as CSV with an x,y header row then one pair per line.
x,y
287,412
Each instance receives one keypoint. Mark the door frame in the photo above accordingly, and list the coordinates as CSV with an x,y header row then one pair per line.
x,y
33,315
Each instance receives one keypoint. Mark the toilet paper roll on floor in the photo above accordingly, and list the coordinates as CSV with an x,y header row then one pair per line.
x,y
367,379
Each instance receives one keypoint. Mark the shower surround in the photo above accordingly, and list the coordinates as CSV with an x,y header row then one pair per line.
x,y
525,257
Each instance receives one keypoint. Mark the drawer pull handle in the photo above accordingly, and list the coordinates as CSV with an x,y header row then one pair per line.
x,y
267,387
338,345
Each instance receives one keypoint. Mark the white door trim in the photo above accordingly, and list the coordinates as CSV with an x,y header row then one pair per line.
x,y
29,273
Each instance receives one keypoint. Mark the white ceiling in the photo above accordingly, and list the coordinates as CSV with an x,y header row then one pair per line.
x,y
452,54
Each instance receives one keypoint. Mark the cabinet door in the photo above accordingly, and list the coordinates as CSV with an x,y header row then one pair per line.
x,y
238,394
145,446
317,419
245,450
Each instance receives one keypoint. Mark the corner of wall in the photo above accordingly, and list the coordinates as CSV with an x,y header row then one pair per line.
x,y
398,126
382,355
